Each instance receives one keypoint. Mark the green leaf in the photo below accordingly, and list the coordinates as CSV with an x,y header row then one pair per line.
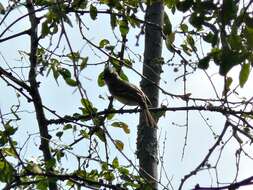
x,y
115,163
229,11
196,20
119,144
59,155
104,166
44,29
109,176
93,12
84,134
111,115
229,59
65,73
86,103
123,27
9,130
59,134
167,27
74,56
169,41
101,81
249,36
9,152
204,62
123,170
121,125
100,134
235,42
211,38
55,68
42,184
184,5
80,4
113,21
103,43
50,163
128,63
71,82
244,74
190,41
84,62
68,126
184,27
6,172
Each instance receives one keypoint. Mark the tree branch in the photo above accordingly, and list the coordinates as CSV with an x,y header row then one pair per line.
x,y
41,118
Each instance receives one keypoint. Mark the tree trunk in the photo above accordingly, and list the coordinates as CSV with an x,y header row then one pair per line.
x,y
147,144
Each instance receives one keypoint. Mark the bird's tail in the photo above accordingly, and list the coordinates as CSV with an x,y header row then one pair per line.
x,y
150,121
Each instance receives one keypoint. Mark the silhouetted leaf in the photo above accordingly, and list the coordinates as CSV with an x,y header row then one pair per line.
x,y
2,9
121,125
167,28
204,62
184,5
93,12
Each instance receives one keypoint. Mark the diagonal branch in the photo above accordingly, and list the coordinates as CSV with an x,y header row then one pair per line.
x,y
204,161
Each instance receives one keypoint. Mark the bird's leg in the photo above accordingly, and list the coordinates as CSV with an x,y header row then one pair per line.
x,y
136,109
110,106
122,107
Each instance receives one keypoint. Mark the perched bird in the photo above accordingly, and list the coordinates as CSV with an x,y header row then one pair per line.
x,y
128,93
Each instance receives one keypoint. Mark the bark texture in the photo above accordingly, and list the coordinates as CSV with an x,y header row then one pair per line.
x,y
147,144
35,94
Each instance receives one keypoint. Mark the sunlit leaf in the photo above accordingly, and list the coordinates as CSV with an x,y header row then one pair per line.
x,y
74,56
101,81
115,163
244,74
67,126
119,144
109,176
103,43
123,27
65,73
121,125
83,63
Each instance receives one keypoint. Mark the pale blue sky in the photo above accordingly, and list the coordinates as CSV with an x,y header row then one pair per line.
x,y
66,101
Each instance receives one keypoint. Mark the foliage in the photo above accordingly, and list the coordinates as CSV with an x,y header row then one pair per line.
x,y
223,28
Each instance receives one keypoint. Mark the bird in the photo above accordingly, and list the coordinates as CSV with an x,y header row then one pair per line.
x,y
128,94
